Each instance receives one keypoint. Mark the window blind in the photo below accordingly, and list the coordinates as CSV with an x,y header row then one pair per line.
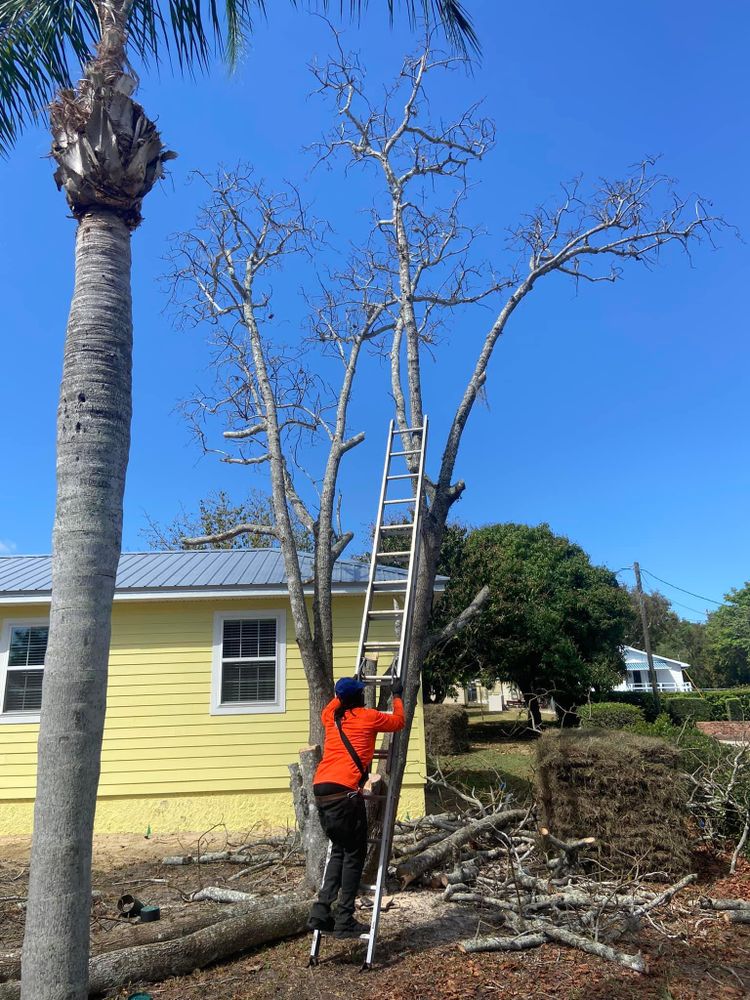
x,y
23,686
248,667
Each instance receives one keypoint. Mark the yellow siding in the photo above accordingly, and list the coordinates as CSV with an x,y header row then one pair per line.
x,y
165,760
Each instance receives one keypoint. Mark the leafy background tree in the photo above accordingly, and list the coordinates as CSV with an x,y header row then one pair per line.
x,y
728,635
554,622
218,513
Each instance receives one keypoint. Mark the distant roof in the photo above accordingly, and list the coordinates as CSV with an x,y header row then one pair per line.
x,y
190,573
640,654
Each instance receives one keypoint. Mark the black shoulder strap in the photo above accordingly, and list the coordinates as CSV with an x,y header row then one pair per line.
x,y
363,772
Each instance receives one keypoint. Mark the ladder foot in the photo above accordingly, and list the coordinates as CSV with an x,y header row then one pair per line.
x,y
366,967
312,962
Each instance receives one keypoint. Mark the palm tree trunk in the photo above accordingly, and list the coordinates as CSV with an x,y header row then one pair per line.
x,y
93,438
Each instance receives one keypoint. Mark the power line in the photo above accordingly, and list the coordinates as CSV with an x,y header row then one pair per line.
x,y
682,589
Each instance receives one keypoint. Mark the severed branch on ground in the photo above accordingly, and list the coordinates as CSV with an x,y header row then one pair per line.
x,y
528,884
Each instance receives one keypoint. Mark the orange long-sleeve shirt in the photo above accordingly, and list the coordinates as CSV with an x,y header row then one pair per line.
x,y
361,725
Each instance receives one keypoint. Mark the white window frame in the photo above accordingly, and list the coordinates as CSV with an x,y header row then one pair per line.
x,y
8,625
275,707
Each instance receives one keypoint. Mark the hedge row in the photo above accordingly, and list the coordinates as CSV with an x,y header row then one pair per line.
x,y
609,715
710,706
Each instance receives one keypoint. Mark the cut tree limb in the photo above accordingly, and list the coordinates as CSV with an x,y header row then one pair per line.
x,y
724,904
156,962
519,943
459,622
212,857
563,936
411,869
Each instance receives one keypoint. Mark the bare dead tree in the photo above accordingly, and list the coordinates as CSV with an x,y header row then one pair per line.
x,y
422,167
399,293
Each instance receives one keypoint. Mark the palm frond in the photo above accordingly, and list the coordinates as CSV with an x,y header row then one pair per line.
x,y
43,43
450,14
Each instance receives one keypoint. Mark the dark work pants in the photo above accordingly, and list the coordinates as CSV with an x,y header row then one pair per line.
x,y
345,824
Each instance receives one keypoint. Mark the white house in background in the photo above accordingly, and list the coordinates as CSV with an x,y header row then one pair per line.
x,y
670,674
496,699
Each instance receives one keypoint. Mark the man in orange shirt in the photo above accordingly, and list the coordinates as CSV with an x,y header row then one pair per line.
x,y
349,745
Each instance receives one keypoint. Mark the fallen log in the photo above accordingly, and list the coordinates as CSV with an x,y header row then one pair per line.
x,y
563,936
519,943
737,916
155,962
212,857
724,904
130,935
665,896
218,894
411,869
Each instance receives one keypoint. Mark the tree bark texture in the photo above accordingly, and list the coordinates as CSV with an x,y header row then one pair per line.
x,y
93,438
314,841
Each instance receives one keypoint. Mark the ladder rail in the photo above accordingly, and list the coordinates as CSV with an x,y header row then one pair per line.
x,y
400,648
375,548
413,557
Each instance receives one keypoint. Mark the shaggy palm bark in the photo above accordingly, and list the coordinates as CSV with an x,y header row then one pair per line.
x,y
109,155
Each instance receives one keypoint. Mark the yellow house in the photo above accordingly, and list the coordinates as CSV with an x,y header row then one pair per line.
x,y
207,701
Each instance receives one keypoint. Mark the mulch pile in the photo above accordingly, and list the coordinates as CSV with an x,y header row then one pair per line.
x,y
624,789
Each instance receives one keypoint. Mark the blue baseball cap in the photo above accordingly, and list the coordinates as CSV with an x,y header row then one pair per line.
x,y
347,687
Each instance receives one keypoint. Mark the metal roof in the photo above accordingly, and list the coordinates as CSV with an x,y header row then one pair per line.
x,y
237,570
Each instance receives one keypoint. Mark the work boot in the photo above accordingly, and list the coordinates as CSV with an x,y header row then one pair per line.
x,y
350,928
321,918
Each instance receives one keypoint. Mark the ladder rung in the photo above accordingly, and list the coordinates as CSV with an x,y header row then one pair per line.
x,y
380,755
373,796
399,554
391,583
385,614
401,500
404,475
396,527
410,430
362,885
373,840
375,679
407,451
382,644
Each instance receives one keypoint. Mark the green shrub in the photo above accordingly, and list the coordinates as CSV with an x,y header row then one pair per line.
x,y
641,699
734,710
735,700
688,709
609,715
446,729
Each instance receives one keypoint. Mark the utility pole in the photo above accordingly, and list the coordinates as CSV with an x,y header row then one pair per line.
x,y
646,637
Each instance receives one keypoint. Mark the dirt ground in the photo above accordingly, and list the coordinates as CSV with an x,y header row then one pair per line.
x,y
691,953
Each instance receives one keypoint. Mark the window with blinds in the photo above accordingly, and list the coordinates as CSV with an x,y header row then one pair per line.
x,y
248,661
25,668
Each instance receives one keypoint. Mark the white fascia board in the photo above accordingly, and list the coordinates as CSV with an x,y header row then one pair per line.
x,y
201,594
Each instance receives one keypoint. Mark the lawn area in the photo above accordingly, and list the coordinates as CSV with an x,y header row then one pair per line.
x,y
509,765
501,756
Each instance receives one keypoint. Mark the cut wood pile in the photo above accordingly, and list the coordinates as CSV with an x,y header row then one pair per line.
x,y
529,886
626,790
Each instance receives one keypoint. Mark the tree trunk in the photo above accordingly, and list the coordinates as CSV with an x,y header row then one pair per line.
x,y
535,712
93,437
314,841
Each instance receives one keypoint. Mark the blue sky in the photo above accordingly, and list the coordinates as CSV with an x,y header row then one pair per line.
x,y
618,414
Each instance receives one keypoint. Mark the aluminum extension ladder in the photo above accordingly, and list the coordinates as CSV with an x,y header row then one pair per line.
x,y
407,446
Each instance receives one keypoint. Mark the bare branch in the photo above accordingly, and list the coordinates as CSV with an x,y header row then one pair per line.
x,y
459,622
224,536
